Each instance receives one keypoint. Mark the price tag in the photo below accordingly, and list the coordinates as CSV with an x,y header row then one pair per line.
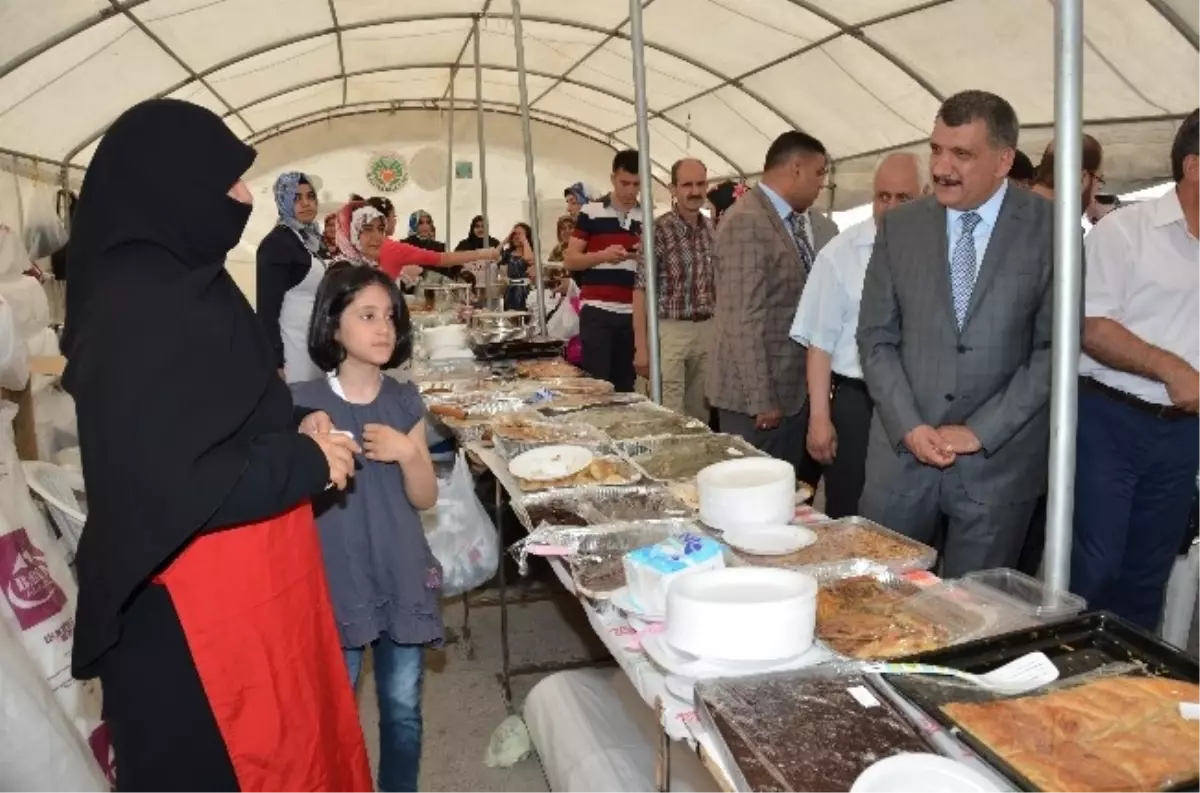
x,y
863,696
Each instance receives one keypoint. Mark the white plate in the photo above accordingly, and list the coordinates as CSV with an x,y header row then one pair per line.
x,y
550,462
775,540
625,602
921,773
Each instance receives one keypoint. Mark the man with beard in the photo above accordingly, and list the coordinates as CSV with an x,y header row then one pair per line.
x,y
683,248
954,334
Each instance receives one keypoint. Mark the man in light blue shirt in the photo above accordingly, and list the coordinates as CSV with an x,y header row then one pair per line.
x,y
839,407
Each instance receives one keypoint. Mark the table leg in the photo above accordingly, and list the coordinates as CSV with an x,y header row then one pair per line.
x,y
505,659
662,761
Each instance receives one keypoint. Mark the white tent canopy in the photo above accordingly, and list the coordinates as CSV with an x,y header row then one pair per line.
x,y
724,77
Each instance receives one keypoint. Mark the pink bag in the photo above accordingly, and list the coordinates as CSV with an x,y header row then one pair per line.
x,y
574,349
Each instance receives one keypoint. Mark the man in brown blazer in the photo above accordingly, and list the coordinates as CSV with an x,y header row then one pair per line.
x,y
763,251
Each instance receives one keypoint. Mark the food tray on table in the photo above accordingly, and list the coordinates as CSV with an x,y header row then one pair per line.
x,y
680,458
613,471
809,729
868,612
517,433
573,403
546,369
853,538
554,509
602,417
636,503
1089,649
574,386
518,349
474,422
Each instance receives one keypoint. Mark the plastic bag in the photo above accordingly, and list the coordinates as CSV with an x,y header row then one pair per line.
x,y
44,229
14,357
464,541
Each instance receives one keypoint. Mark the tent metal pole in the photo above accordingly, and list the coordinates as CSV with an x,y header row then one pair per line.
x,y
450,160
1068,281
530,183
638,44
483,201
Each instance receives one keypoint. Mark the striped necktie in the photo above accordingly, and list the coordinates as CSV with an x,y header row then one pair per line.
x,y
800,235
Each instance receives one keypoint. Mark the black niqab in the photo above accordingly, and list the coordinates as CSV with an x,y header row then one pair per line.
x,y
166,360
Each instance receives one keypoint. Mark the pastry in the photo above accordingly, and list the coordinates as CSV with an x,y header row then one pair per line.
x,y
601,471
865,618
1117,733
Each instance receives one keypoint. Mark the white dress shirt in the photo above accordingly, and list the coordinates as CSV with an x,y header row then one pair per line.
x,y
827,317
988,213
1142,273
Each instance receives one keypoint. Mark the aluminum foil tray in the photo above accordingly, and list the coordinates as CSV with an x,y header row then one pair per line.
x,y
701,450
590,547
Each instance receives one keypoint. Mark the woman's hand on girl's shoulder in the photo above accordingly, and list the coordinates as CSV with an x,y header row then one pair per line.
x,y
386,444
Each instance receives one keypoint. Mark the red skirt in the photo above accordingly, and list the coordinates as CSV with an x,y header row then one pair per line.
x,y
254,605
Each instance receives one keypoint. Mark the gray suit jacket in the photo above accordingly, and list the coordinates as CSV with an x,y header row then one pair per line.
x,y
993,376
753,365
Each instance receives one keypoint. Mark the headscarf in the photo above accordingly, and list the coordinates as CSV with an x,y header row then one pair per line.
x,y
169,367
414,223
285,202
473,242
580,191
351,219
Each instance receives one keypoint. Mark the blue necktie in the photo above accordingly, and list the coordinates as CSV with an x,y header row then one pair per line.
x,y
963,267
800,235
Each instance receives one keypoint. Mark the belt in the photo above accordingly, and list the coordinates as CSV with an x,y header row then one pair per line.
x,y
1165,412
841,381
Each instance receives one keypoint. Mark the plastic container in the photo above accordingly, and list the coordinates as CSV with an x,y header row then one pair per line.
x,y
1027,593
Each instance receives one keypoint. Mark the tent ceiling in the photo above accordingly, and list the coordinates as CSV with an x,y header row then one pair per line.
x,y
723,76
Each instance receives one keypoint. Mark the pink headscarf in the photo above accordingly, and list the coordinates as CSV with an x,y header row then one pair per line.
x,y
350,221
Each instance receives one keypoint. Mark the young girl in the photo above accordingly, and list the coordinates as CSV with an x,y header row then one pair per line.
x,y
382,576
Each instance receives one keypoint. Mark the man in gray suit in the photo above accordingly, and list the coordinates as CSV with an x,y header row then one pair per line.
x,y
762,253
954,335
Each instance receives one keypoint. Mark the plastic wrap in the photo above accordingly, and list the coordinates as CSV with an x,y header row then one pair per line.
x,y
595,545
680,458
553,509
812,729
996,613
853,538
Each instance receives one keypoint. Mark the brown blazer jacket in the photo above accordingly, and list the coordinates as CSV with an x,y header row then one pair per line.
x,y
753,365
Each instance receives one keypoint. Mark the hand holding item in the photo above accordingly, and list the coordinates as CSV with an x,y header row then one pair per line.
x,y
339,451
386,444
928,446
410,274
615,254
317,423
769,420
960,438
822,440
641,362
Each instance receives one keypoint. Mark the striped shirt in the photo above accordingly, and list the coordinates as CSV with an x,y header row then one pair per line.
x,y
608,286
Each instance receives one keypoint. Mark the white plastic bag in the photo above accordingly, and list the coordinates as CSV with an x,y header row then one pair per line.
x,y
464,541
44,229
38,595
14,357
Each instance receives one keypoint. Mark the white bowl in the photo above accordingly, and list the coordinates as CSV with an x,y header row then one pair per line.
x,y
921,773
742,613
746,492
444,337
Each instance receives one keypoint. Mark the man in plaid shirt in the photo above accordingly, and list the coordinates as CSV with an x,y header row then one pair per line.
x,y
682,245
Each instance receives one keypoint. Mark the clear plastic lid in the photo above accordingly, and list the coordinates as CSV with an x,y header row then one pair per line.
x,y
1027,593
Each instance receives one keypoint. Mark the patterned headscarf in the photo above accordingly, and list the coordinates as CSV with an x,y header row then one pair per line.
x,y
581,193
414,221
285,202
351,219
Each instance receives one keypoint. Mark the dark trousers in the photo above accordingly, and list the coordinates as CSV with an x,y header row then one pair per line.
x,y
607,341
785,442
1035,541
850,409
1134,481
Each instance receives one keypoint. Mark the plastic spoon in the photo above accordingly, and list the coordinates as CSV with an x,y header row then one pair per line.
x,y
1026,673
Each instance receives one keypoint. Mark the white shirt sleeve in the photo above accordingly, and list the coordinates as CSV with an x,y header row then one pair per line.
x,y
819,317
1108,259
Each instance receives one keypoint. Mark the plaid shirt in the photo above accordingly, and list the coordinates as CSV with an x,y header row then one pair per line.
x,y
685,271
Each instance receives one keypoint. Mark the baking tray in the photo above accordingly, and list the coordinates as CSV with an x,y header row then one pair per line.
x,y
519,349
834,547
572,435
556,499
1077,646
731,446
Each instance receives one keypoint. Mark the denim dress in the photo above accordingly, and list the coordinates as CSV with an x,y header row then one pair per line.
x,y
383,578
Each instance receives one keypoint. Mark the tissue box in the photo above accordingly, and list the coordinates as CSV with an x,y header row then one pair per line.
x,y
649,571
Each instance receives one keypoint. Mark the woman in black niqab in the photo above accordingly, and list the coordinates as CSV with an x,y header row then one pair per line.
x,y
475,239
203,606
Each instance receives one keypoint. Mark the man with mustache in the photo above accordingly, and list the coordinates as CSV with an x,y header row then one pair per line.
x,y
954,334
683,247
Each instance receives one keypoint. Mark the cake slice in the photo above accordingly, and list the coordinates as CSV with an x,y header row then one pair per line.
x,y
649,571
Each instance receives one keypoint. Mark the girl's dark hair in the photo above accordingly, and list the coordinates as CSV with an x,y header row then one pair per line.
x,y
383,205
528,231
342,282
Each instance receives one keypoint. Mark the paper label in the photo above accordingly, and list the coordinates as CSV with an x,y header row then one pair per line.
x,y
1190,710
1032,669
863,696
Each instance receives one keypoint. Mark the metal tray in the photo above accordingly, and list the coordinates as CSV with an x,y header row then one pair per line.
x,y
551,498
916,556
518,349
614,503
563,405
732,446
1077,646
571,435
